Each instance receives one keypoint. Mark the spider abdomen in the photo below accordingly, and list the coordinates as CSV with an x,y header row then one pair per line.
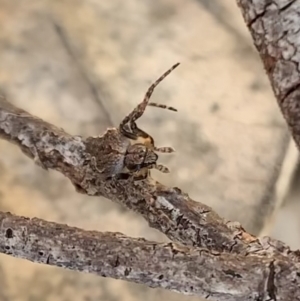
x,y
113,147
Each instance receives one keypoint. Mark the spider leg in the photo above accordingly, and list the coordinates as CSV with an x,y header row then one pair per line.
x,y
142,136
127,132
140,109
164,149
157,105
141,174
137,134
161,168
144,173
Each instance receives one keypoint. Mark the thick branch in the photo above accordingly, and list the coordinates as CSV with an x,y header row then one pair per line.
x,y
166,209
190,271
275,29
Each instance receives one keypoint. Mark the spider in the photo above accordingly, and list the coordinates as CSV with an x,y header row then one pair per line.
x,y
129,150
141,155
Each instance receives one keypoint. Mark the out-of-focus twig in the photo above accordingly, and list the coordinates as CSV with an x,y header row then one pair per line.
x,y
275,29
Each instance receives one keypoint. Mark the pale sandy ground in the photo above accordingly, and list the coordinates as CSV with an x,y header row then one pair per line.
x,y
84,64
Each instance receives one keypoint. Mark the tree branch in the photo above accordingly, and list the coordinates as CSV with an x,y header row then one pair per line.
x,y
275,29
186,270
166,209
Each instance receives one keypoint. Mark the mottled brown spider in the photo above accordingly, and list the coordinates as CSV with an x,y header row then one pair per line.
x,y
141,155
129,150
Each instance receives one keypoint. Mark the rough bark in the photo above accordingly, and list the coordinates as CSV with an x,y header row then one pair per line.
x,y
231,264
275,26
211,275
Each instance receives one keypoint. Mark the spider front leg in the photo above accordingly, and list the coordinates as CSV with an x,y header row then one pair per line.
x,y
132,131
161,168
157,105
140,109
142,174
164,149
142,136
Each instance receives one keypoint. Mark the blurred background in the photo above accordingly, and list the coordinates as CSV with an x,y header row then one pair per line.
x,y
83,65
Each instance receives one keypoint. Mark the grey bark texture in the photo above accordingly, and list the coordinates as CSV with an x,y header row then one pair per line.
x,y
217,260
212,275
274,26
